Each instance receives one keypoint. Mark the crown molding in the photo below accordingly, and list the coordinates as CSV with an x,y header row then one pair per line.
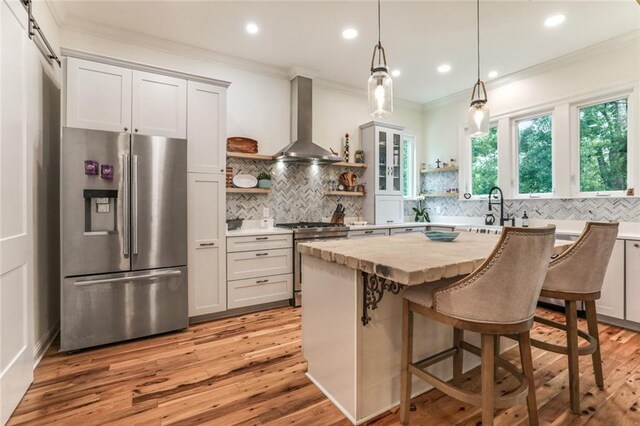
x,y
619,42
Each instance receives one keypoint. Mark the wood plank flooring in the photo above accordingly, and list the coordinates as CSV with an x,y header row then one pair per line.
x,y
249,370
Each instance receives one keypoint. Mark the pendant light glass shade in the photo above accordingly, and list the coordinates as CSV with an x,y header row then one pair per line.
x,y
380,84
478,124
380,89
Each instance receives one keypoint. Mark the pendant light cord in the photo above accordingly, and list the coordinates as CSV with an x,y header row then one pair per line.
x,y
478,34
379,22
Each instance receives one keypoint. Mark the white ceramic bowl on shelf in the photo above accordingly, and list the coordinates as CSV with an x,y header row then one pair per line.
x,y
245,181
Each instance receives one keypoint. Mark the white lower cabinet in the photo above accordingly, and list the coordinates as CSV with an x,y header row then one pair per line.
x,y
259,269
369,233
207,244
389,209
633,280
243,293
611,302
410,230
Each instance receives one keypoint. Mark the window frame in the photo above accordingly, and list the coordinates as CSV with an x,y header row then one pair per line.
x,y
575,144
515,157
413,172
493,124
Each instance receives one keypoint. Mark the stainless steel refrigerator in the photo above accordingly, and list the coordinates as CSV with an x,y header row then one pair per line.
x,y
124,237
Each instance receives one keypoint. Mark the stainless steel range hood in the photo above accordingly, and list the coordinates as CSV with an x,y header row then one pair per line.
x,y
302,149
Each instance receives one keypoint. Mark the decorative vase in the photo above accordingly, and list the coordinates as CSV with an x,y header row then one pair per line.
x,y
264,183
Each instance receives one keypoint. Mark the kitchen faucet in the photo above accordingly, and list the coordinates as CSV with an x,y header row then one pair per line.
x,y
503,219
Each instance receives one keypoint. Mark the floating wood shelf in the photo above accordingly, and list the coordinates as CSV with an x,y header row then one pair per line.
x,y
441,194
345,164
262,157
248,191
441,169
345,193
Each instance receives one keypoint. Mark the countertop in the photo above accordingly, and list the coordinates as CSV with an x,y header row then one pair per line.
x,y
410,259
248,232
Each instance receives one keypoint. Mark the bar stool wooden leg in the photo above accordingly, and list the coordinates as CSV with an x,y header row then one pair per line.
x,y
407,357
524,340
487,377
496,345
572,345
458,358
592,323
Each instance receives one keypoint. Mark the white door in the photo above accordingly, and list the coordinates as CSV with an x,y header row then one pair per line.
x,y
206,128
207,244
382,138
633,280
98,96
16,304
611,302
389,209
159,105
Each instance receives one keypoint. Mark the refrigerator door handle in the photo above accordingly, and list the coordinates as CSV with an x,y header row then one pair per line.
x,y
134,207
125,203
129,278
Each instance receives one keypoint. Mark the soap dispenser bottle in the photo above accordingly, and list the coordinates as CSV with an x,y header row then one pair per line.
x,y
525,220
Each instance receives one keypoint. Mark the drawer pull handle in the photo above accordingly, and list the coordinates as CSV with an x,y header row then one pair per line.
x,y
408,230
261,238
636,245
207,244
368,232
262,281
262,254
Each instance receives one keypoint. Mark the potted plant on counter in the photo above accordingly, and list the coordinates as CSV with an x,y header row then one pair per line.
x,y
421,213
264,180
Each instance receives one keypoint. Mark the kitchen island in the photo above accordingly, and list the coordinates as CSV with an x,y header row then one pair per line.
x,y
351,320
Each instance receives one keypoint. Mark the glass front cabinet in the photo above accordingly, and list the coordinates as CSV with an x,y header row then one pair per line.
x,y
382,146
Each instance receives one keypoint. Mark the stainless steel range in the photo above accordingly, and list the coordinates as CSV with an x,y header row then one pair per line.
x,y
304,232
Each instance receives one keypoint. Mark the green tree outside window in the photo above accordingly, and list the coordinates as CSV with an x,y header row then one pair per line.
x,y
535,167
484,162
603,146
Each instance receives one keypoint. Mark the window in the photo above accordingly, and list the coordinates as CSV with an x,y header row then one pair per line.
x,y
603,146
409,166
484,162
535,156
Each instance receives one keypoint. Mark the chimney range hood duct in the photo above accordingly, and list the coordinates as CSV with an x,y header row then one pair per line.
x,y
302,149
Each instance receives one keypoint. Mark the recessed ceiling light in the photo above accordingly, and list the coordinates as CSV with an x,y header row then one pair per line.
x,y
444,68
252,28
493,74
349,33
554,20
395,73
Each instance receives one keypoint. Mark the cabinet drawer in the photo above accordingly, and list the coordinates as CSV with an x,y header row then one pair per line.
x,y
259,290
400,231
633,280
369,233
440,228
254,264
259,242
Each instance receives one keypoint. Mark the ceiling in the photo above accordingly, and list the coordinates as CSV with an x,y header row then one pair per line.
x,y
417,35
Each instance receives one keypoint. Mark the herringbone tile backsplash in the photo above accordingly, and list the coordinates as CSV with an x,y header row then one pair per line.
x,y
298,195
621,209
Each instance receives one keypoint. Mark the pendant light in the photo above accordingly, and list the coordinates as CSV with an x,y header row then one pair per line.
x,y
380,85
478,111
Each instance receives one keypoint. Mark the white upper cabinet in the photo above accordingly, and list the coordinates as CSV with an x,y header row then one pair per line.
x,y
206,128
98,96
388,161
159,105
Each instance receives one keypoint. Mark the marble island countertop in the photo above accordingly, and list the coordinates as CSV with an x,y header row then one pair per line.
x,y
410,259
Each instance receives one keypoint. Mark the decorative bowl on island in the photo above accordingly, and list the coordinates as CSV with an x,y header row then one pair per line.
x,y
441,235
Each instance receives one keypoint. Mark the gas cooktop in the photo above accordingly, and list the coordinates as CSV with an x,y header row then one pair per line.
x,y
306,225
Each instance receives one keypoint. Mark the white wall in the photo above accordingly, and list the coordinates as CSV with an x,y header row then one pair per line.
x,y
600,68
258,104
43,133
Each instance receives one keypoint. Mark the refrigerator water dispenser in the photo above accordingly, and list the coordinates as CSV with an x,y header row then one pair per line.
x,y
100,208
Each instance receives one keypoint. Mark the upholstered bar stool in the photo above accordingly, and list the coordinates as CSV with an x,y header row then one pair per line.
x,y
574,276
497,298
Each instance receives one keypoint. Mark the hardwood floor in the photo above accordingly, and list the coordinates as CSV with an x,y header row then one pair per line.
x,y
249,370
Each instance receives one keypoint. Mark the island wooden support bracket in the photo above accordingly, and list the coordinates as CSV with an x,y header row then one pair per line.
x,y
373,288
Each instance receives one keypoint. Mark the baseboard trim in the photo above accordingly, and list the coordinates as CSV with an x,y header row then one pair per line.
x,y
43,344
